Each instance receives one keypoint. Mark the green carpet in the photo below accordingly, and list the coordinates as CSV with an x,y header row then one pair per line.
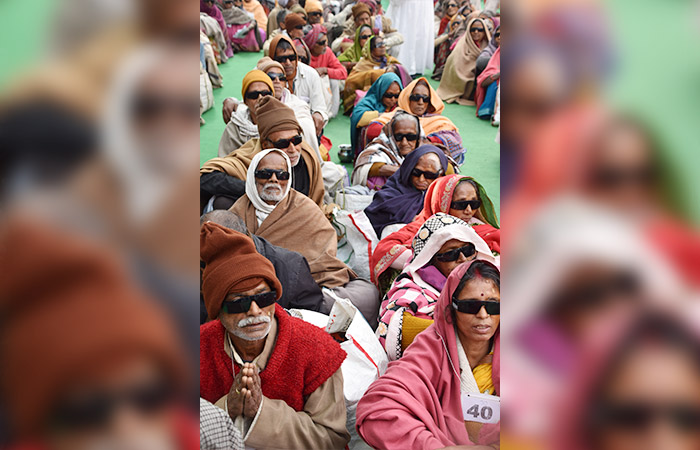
x,y
482,159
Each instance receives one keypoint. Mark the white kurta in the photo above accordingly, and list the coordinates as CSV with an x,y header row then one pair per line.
x,y
414,20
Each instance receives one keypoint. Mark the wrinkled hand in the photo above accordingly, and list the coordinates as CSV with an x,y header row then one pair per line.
x,y
318,123
322,70
229,107
236,397
251,390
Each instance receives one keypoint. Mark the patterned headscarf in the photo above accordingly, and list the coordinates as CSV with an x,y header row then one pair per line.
x,y
438,221
312,36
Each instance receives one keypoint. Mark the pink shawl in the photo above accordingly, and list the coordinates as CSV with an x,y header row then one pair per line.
x,y
493,67
416,404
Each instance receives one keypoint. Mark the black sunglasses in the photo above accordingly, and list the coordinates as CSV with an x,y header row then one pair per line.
x,y
387,95
322,43
299,27
277,76
97,410
380,45
428,175
365,36
254,95
287,58
409,137
242,304
284,143
315,13
461,205
418,97
150,106
453,255
615,178
474,30
597,292
497,34
474,306
635,416
228,2
266,174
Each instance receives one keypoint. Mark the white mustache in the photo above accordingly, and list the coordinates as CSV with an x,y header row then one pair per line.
x,y
253,320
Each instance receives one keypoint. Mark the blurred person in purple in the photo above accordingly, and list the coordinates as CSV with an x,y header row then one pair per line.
x,y
417,403
585,277
114,375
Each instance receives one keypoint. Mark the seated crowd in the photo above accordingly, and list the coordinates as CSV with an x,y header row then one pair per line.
x,y
279,240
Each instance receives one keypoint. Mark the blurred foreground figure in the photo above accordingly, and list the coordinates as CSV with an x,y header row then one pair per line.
x,y
578,271
639,392
88,360
277,377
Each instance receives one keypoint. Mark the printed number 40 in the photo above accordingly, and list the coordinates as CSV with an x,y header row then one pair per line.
x,y
485,412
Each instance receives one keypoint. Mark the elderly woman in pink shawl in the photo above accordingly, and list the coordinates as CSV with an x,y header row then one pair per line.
x,y
417,403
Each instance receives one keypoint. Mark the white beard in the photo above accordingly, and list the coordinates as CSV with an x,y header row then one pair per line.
x,y
272,193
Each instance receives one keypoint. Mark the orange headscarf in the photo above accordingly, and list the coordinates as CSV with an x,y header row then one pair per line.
x,y
433,121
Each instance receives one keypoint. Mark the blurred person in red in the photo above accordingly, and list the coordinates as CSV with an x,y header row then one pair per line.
x,y
581,278
112,376
613,161
277,377
640,391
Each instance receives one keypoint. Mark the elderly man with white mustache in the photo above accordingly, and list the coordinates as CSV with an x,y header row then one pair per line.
x,y
276,376
284,217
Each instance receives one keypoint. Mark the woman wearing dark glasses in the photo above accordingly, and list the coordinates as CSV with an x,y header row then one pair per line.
x,y
460,196
401,198
420,99
458,81
640,392
442,243
430,393
383,156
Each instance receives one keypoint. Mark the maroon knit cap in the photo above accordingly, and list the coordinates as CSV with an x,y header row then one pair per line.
x,y
232,265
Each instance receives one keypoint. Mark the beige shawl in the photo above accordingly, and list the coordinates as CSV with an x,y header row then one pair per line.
x,y
237,162
459,77
297,224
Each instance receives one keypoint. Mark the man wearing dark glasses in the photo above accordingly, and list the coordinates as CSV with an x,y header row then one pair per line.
x,y
302,80
277,376
242,125
222,180
299,290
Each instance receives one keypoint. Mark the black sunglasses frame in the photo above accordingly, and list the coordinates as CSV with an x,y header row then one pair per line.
x,y
254,95
266,174
461,205
468,251
242,305
284,143
428,175
288,58
418,97
474,306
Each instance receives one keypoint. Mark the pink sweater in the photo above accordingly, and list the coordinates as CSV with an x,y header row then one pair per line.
x,y
336,71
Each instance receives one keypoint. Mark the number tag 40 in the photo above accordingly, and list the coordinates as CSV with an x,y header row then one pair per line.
x,y
482,408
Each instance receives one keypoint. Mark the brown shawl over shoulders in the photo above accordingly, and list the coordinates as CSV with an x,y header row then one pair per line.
x,y
298,225
237,162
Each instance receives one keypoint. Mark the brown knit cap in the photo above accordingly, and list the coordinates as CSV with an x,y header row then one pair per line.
x,y
293,20
266,63
232,264
360,8
67,309
273,115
